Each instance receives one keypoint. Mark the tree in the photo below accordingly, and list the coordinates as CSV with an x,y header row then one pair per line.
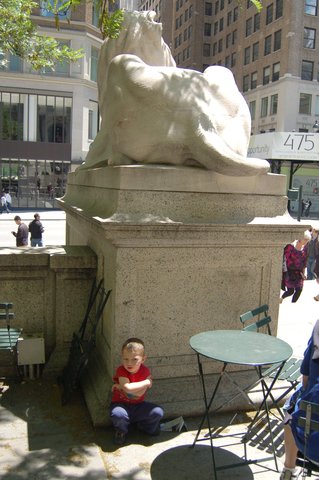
x,y
19,34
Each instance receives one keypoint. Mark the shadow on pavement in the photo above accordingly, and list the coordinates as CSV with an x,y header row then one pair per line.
x,y
185,463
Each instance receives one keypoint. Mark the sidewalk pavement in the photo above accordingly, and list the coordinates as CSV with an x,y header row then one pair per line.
x,y
42,440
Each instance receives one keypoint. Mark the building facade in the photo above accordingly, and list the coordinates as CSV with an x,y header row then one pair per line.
x,y
273,55
48,119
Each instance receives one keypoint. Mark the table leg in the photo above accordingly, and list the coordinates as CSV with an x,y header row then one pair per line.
x,y
207,408
266,393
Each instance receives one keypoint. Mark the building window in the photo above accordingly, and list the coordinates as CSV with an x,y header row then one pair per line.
x,y
235,14
317,105
93,64
229,17
279,8
222,4
208,8
305,103
234,37
245,83
306,70
228,40
266,75
95,13
267,49
249,26
216,7
10,62
252,109
273,104
256,22
221,24
206,49
255,51
220,45
46,12
311,7
233,59
253,80
275,72
54,119
277,40
246,55
264,107
93,120
207,29
309,37
215,28
11,116
227,61
269,13
61,69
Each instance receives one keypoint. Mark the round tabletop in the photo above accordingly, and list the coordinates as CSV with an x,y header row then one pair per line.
x,y
241,347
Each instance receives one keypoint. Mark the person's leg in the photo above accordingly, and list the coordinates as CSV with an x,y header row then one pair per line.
x,y
148,416
291,449
288,293
40,242
120,417
310,267
296,295
33,242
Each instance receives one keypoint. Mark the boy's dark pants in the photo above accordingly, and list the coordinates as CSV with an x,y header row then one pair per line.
x,y
145,415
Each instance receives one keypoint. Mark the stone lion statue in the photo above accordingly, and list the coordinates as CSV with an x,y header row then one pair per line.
x,y
155,113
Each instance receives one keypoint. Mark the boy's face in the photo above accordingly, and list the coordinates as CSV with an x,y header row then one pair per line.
x,y
132,359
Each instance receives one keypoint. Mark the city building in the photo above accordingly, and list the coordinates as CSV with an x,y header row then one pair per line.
x,y
49,118
273,55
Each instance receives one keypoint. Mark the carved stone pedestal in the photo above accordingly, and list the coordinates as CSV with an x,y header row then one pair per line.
x,y
183,250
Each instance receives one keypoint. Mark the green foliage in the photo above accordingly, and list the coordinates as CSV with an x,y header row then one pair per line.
x,y
19,36
110,24
258,4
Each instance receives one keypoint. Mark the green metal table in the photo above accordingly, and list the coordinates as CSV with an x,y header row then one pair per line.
x,y
240,348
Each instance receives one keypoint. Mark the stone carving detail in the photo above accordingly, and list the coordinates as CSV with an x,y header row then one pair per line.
x,y
153,112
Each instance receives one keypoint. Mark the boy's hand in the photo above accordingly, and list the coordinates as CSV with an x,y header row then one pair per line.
x,y
116,386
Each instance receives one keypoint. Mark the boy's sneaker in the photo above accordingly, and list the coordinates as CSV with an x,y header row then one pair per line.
x,y
119,437
289,474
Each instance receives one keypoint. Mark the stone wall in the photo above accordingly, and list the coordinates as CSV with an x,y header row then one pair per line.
x,y
49,288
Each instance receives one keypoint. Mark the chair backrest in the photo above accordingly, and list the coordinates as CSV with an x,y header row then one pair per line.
x,y
256,323
308,422
5,314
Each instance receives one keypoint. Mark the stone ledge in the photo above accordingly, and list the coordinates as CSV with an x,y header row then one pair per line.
x,y
177,179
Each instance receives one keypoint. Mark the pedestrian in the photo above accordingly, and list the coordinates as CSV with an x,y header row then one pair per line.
x,y
128,405
8,199
4,206
22,233
36,229
308,204
308,391
295,261
311,258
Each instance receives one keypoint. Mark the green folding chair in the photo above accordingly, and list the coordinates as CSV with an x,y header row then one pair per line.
x,y
255,320
309,421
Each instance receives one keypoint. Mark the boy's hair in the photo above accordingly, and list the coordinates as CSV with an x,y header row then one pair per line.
x,y
133,344
17,217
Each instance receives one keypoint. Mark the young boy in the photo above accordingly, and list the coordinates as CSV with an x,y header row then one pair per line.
x,y
132,380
